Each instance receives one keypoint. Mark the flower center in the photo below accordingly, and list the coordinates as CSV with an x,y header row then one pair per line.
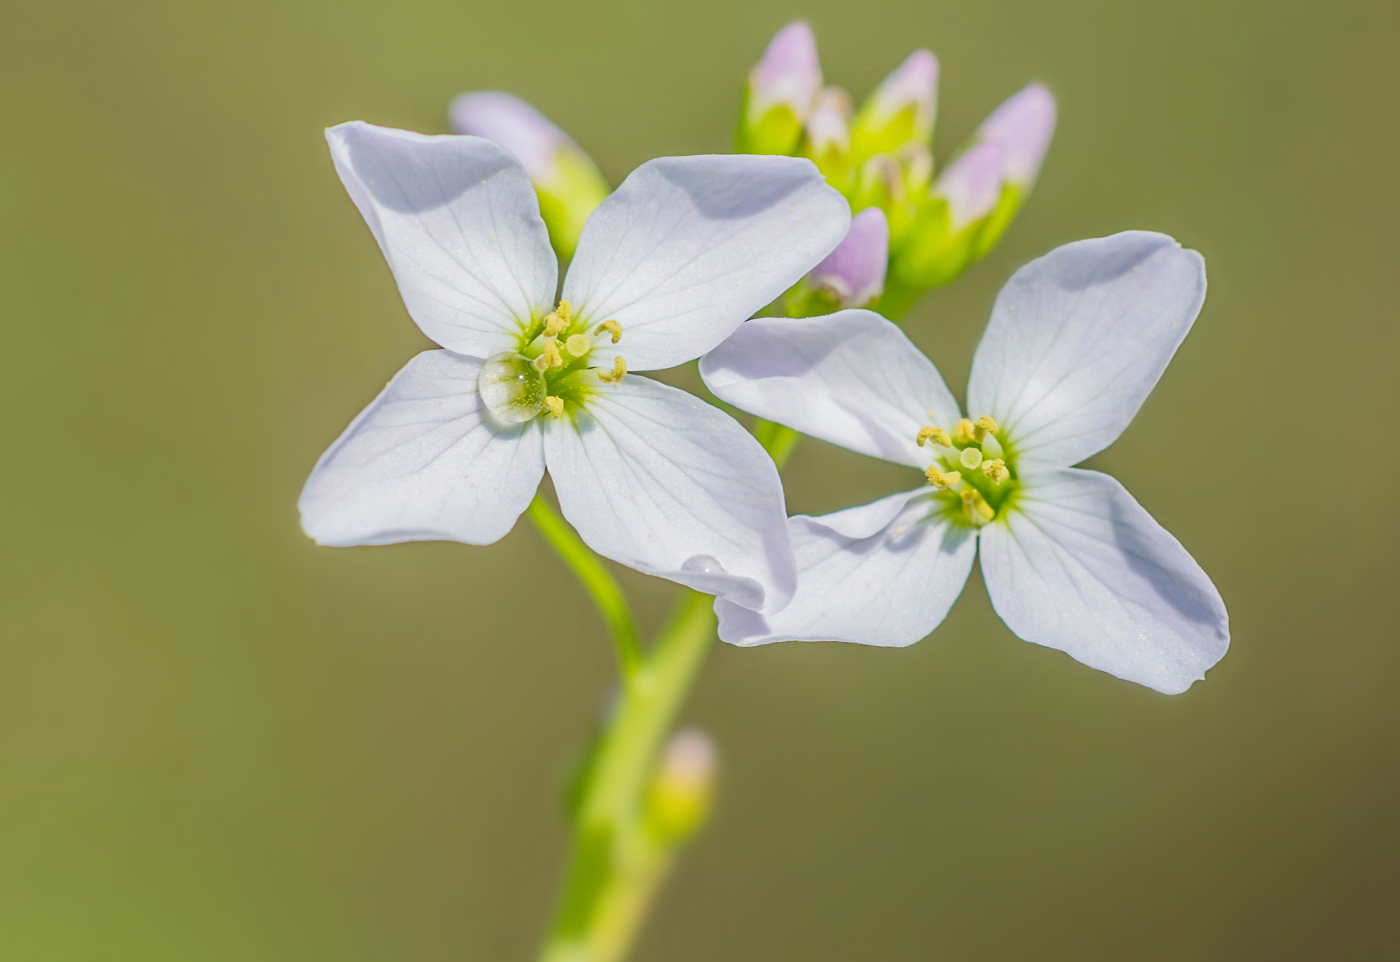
x,y
973,471
554,367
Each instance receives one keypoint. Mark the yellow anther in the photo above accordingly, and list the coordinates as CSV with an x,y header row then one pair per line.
x,y
612,327
982,426
557,320
940,480
549,357
555,405
995,470
970,458
619,369
975,507
936,435
962,434
578,345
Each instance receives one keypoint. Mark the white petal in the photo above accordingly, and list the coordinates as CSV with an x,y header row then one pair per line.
x,y
851,378
1078,338
889,584
421,464
1082,567
662,482
459,224
688,247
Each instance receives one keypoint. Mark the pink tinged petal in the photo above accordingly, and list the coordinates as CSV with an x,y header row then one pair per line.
x,y
855,271
882,574
1078,338
971,184
789,73
1081,567
829,124
424,463
688,247
660,481
851,378
515,125
458,223
1022,126
913,83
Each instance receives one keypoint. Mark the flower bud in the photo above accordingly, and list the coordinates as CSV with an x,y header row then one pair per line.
x,y
683,787
827,139
853,275
975,198
780,93
568,183
901,110
1023,126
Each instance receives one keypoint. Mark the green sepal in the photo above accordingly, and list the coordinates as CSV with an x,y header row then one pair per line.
x,y
567,199
778,131
804,300
871,135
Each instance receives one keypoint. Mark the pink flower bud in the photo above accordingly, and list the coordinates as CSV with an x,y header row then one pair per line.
x,y
913,83
829,124
1023,126
854,273
516,126
971,184
788,73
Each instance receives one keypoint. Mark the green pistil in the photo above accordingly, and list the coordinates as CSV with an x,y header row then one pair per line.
x,y
1001,498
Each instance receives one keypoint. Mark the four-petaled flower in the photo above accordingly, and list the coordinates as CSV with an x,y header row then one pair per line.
x,y
667,267
1076,341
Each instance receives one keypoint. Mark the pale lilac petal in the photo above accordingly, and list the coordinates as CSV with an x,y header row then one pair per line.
x,y
1022,126
458,223
855,271
1078,338
688,247
889,585
424,462
851,378
1080,566
789,73
660,481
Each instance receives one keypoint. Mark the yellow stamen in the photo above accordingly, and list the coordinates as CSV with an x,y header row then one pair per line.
x,y
619,369
612,327
970,457
936,435
986,423
578,345
555,405
940,480
549,357
995,469
962,434
556,321
975,507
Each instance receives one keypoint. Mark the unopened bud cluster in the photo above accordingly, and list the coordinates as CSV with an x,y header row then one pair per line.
x,y
880,157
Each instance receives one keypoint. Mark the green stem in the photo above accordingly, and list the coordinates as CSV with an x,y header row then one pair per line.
x,y
617,864
601,585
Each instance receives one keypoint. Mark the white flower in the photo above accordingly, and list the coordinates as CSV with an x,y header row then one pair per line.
x,y
667,267
1076,341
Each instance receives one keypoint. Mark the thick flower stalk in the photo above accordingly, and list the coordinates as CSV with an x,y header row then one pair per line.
x,y
667,267
1076,341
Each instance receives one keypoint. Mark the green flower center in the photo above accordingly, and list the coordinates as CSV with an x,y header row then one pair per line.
x,y
974,471
551,372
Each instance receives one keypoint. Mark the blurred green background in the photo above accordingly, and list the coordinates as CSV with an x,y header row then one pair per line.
x,y
219,742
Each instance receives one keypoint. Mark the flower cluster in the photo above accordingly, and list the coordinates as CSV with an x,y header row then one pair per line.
x,y
533,376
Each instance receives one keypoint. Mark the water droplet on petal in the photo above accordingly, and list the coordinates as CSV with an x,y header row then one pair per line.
x,y
704,564
511,388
